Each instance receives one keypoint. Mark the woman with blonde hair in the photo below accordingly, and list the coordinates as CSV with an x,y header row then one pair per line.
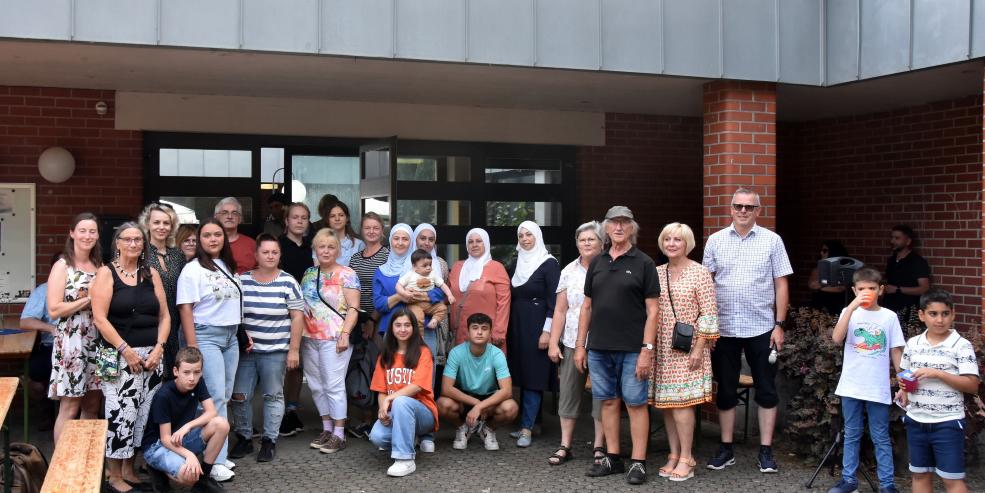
x,y
159,223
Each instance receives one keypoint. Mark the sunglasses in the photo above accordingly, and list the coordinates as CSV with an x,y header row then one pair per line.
x,y
746,207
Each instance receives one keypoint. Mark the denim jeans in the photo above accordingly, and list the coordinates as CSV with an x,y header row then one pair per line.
x,y
220,354
409,418
854,411
531,407
267,369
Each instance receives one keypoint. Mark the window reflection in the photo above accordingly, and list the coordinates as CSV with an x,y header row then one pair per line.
x,y
501,213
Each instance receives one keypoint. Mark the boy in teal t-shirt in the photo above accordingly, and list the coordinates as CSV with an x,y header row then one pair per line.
x,y
476,387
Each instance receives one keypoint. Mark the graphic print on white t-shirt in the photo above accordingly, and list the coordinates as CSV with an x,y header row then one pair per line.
x,y
870,339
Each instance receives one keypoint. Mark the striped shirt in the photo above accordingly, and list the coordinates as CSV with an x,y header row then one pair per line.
x,y
935,401
265,310
745,270
365,268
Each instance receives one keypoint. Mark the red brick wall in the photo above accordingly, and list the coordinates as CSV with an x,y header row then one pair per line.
x,y
853,178
651,164
108,170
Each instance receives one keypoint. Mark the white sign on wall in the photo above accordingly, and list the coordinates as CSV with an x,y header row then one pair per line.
x,y
17,241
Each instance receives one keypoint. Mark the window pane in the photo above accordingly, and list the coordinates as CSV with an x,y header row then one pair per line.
x,y
320,175
440,168
271,165
205,162
436,212
194,210
379,205
513,213
541,171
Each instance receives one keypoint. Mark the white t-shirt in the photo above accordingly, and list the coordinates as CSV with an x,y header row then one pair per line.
x,y
409,281
214,297
935,401
572,284
867,363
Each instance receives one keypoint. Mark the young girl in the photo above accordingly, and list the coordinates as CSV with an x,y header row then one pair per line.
x,y
403,380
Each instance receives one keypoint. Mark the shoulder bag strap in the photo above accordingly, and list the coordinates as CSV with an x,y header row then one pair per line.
x,y
236,284
669,296
318,291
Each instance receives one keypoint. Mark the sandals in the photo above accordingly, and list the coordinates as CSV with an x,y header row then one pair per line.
x,y
598,454
557,459
675,476
665,472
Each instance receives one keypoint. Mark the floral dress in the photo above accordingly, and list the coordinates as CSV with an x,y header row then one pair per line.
x,y
672,383
73,356
321,322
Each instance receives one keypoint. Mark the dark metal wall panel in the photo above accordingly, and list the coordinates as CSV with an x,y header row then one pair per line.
x,y
941,31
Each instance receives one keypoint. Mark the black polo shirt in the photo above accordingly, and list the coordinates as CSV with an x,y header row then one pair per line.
x,y
294,258
905,273
619,289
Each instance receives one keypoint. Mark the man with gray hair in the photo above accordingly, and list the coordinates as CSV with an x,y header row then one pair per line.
x,y
749,265
229,213
622,309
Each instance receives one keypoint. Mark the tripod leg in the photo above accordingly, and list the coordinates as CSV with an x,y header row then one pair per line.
x,y
868,479
810,482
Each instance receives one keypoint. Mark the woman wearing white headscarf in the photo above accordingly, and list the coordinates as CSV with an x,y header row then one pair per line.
x,y
426,238
480,285
386,299
534,284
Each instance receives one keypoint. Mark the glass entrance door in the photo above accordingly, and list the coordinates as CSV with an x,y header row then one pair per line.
x,y
316,172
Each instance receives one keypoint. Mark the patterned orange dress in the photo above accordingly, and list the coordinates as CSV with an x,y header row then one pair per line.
x,y
672,384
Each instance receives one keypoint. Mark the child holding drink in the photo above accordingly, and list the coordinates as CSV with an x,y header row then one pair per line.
x,y
873,339
945,367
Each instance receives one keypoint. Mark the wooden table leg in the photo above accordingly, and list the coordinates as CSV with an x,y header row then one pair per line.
x,y
27,396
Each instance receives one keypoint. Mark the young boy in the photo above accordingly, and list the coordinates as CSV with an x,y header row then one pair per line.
x,y
873,339
476,387
945,366
421,279
175,436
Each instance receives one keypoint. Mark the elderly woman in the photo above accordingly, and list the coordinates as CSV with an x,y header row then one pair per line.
x,y
130,310
480,285
74,382
682,380
331,295
187,241
386,299
210,306
160,223
532,298
425,238
561,347
618,327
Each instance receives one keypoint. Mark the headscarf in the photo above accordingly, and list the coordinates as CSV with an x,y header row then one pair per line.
x,y
395,264
434,249
472,268
527,261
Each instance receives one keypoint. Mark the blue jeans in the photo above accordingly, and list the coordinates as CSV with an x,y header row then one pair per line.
x,y
613,376
165,460
409,418
854,411
531,407
269,369
220,354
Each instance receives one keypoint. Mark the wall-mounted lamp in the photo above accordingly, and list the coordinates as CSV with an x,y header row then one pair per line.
x,y
102,108
56,164
272,184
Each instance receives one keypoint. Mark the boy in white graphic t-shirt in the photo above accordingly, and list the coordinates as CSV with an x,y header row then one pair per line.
x,y
873,339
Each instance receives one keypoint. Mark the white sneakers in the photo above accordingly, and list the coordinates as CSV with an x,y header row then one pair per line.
x,y
221,473
401,468
427,446
230,464
461,438
489,438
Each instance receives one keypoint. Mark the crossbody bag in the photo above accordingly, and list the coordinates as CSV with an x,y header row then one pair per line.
x,y
683,333
362,316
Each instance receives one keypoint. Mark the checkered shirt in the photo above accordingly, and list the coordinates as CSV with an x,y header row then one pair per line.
x,y
744,270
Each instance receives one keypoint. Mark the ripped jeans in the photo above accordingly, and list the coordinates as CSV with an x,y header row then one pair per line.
x,y
268,370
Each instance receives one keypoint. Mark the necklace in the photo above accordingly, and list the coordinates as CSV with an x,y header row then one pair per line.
x,y
131,275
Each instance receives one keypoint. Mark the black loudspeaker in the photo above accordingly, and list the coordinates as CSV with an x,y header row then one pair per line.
x,y
837,271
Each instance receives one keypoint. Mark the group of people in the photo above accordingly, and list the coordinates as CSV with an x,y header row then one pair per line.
x,y
252,314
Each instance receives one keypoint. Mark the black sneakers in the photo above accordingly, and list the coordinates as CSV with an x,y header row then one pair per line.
x,y
243,447
159,481
605,466
637,473
291,424
723,458
268,449
206,484
766,462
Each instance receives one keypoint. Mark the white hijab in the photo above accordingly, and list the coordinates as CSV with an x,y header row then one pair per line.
x,y
472,268
434,249
527,261
396,264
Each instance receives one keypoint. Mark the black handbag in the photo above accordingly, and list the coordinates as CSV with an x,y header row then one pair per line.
x,y
242,340
683,333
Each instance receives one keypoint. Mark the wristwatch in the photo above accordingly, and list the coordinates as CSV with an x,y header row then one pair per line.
x,y
648,346
781,323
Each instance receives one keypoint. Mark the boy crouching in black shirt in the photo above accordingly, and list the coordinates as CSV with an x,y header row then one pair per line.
x,y
175,437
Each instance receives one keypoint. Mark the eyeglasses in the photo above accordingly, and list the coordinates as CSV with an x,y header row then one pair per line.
x,y
746,207
131,241
190,241
230,213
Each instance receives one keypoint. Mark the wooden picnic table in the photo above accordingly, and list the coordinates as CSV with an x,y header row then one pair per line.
x,y
17,344
8,388
77,464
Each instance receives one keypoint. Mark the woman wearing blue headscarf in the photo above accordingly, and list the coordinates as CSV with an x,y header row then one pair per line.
x,y
386,299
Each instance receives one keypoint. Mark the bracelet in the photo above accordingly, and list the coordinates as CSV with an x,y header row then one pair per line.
x,y
122,347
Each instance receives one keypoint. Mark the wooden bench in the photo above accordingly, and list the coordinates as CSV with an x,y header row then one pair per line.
x,y
77,464
8,388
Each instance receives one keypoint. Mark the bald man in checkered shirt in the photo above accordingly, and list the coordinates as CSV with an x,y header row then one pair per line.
x,y
749,265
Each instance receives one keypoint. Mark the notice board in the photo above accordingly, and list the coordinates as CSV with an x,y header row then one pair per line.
x,y
17,244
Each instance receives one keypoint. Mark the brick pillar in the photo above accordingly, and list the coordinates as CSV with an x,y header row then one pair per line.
x,y
739,149
982,277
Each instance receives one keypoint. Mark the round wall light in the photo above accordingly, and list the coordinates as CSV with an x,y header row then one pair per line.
x,y
56,164
298,191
